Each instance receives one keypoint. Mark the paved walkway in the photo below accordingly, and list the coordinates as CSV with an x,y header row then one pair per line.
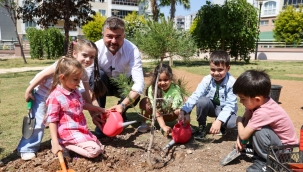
x,y
22,69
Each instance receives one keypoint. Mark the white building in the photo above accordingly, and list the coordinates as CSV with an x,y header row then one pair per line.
x,y
179,22
189,20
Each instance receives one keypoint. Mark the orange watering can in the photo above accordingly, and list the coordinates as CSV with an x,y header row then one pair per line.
x,y
114,123
180,134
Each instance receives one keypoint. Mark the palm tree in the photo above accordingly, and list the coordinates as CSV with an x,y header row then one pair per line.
x,y
155,10
173,3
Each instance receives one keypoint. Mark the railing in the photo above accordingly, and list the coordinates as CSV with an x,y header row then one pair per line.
x,y
11,46
279,45
7,46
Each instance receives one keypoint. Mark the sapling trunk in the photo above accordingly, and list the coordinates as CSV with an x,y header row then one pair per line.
x,y
153,121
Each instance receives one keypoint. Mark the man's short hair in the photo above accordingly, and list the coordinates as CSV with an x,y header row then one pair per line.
x,y
113,23
253,83
219,57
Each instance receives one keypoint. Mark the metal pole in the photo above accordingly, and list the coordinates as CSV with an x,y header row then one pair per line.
x,y
256,52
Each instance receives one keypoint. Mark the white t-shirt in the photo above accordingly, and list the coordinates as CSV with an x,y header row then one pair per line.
x,y
44,87
127,60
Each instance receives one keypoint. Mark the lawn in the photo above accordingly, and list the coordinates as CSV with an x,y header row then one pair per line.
x,y
13,85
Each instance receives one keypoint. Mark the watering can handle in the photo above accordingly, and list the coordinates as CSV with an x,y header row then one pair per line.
x,y
182,124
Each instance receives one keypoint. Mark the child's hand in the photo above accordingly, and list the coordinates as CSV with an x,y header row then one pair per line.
x,y
100,110
166,129
239,146
56,148
185,118
28,95
215,127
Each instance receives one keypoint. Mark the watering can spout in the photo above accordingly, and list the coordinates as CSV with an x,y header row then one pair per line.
x,y
172,142
125,124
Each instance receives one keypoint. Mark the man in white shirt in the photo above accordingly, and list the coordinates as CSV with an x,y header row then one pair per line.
x,y
116,55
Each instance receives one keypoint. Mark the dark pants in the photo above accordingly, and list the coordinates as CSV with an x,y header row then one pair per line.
x,y
112,91
262,139
206,107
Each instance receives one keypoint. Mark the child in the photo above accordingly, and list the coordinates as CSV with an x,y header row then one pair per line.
x,y
169,102
84,51
67,122
264,121
214,97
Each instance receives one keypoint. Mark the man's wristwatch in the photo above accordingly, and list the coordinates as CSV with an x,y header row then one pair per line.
x,y
123,106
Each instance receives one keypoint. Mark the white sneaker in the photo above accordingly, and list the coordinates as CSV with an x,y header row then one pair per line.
x,y
143,128
27,156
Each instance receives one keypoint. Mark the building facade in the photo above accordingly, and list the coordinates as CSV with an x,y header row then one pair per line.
x,y
7,28
179,22
107,8
189,20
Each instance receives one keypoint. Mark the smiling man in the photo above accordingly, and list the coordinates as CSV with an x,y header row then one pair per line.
x,y
116,55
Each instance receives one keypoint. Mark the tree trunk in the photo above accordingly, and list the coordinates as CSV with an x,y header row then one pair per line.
x,y
66,26
155,10
172,9
20,42
12,13
222,44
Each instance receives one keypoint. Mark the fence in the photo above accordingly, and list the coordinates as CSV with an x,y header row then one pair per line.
x,y
279,45
11,46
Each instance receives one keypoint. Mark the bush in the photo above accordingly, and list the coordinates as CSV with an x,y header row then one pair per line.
x,y
35,37
49,41
93,29
53,43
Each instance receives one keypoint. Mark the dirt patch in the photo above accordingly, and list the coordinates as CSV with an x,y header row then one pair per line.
x,y
127,152
295,75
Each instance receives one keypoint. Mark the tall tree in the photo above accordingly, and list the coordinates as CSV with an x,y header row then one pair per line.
x,y
11,11
231,27
45,13
289,25
173,3
154,9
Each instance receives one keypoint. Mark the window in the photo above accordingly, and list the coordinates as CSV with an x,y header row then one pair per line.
x,y
30,24
270,8
263,22
293,2
120,13
102,12
125,2
98,1
273,22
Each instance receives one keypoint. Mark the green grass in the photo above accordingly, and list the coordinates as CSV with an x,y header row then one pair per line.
x,y
13,85
18,62
276,69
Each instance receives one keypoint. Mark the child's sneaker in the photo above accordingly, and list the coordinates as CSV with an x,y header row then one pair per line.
x,y
200,133
143,128
27,155
258,165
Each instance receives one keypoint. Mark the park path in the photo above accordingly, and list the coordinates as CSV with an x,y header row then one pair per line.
x,y
22,69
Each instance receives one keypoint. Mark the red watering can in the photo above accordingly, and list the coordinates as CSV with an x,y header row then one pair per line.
x,y
114,123
180,134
